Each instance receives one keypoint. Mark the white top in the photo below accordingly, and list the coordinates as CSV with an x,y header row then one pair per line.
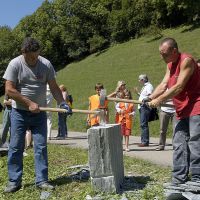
x,y
168,109
118,109
145,92
49,96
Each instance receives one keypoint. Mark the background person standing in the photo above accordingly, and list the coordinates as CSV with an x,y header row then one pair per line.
x,y
49,98
6,121
167,114
144,110
62,117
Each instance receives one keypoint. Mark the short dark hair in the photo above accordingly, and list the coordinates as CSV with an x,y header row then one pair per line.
x,y
30,45
99,86
171,41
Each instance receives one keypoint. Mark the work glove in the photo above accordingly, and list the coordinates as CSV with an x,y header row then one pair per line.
x,y
146,100
65,106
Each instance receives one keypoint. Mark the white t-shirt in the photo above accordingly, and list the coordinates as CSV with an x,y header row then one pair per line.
x,y
30,81
145,92
168,109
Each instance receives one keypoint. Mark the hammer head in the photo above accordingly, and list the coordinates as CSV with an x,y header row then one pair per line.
x,y
102,98
102,117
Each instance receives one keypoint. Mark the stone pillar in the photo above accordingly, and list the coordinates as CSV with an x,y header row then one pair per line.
x,y
106,158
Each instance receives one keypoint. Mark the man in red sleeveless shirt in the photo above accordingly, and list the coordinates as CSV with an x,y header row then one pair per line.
x,y
182,79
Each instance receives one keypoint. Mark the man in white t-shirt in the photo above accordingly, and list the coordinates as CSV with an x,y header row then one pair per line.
x,y
144,110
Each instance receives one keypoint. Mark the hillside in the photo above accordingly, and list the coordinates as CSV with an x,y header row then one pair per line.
x,y
121,62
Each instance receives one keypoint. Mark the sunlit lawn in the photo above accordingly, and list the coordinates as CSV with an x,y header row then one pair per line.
x,y
62,157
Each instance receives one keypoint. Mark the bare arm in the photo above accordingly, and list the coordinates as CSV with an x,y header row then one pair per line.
x,y
186,70
15,95
161,88
113,94
56,92
88,117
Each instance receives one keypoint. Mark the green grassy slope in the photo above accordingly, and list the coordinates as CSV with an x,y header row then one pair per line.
x,y
122,62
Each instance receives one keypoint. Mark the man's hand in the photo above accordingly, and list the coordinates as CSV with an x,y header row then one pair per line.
x,y
34,107
65,106
146,100
155,103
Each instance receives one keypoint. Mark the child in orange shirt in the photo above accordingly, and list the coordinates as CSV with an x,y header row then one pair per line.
x,y
126,112
94,104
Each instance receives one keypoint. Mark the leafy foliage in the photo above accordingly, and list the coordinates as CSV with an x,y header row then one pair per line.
x,y
7,51
69,30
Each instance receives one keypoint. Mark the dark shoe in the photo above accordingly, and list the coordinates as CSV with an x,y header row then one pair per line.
x,y
160,148
12,188
143,145
46,186
60,138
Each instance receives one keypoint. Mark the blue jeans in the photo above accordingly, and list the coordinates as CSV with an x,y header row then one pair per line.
x,y
22,120
144,118
186,145
62,125
5,125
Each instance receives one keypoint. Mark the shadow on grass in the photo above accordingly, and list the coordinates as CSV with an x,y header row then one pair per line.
x,y
66,180
100,52
155,39
132,183
191,28
3,153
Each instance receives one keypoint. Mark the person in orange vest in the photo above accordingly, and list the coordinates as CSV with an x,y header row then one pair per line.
x,y
126,112
94,104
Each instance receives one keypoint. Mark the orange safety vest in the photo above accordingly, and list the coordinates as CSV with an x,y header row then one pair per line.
x,y
125,116
94,101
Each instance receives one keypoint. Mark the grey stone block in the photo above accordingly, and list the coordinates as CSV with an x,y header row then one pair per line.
x,y
106,157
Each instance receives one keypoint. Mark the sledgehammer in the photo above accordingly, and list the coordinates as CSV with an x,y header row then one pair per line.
x,y
97,112
103,97
134,101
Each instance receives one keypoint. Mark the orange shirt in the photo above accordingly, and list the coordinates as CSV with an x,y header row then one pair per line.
x,y
125,115
94,102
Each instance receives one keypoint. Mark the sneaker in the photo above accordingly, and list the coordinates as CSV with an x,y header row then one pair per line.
x,y
60,138
46,186
160,148
12,188
127,149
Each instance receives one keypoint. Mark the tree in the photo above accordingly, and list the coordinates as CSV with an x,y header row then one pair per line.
x,y
7,51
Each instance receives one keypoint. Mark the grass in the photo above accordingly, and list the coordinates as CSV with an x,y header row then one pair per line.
x,y
62,157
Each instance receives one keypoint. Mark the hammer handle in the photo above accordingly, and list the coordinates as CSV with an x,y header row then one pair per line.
x,y
73,110
134,101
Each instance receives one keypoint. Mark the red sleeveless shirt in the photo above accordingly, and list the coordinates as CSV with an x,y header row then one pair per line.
x,y
187,102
